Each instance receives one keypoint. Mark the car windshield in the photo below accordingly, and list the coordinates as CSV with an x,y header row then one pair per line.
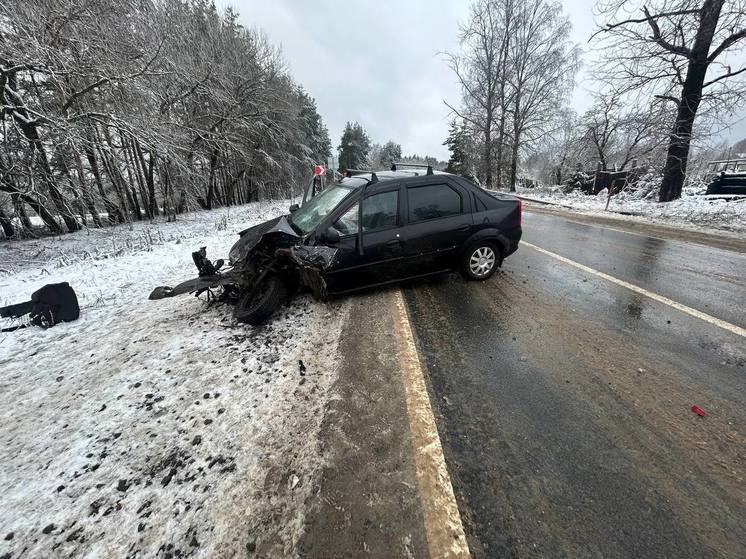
x,y
318,207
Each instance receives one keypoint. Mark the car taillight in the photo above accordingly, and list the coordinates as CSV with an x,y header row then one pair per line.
x,y
520,211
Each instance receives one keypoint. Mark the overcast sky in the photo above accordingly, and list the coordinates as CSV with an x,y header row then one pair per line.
x,y
378,62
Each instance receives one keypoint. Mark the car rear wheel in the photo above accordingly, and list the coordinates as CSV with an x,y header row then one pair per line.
x,y
254,306
480,261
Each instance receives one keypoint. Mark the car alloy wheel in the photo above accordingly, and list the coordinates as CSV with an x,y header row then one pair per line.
x,y
482,261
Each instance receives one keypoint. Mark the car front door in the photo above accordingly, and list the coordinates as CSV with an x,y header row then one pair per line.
x,y
381,256
439,221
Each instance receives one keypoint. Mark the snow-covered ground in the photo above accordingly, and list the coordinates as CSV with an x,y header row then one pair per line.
x,y
692,210
156,428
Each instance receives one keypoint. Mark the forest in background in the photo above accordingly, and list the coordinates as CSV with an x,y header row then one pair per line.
x,y
117,111
121,110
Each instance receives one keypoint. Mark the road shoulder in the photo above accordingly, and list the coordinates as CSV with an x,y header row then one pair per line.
x,y
367,502
720,240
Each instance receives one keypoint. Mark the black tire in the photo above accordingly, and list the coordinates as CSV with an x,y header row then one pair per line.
x,y
480,261
254,307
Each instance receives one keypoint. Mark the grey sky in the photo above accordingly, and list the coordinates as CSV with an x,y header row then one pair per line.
x,y
377,62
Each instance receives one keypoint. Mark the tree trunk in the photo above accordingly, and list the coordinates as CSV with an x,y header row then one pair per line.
x,y
85,190
36,205
677,157
149,180
71,182
114,215
55,194
139,177
18,198
487,156
513,165
500,142
130,183
152,199
21,212
503,100
114,179
211,179
516,140
6,225
28,127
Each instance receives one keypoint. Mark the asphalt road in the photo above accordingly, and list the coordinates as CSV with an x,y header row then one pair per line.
x,y
563,401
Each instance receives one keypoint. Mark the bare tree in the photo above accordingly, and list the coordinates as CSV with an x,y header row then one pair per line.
x,y
480,70
679,50
543,63
515,69
600,125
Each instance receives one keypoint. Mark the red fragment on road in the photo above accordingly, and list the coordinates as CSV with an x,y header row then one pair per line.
x,y
699,411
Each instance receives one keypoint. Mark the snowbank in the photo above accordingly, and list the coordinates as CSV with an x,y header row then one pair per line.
x,y
692,210
156,427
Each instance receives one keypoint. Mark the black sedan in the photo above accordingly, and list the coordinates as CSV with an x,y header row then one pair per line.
x,y
410,225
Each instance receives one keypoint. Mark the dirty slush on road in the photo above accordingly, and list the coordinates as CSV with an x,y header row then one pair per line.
x,y
569,427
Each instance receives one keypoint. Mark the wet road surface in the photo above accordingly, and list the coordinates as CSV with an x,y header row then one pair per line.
x,y
563,400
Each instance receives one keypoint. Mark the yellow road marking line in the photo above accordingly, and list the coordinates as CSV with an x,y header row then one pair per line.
x,y
445,532
637,289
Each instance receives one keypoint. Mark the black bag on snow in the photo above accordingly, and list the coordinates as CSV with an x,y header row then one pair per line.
x,y
50,305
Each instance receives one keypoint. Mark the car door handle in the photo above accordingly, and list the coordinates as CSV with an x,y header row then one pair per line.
x,y
393,243
464,228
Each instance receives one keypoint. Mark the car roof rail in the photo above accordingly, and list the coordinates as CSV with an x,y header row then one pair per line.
x,y
352,172
396,164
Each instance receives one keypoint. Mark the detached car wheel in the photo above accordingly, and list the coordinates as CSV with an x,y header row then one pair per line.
x,y
257,305
480,261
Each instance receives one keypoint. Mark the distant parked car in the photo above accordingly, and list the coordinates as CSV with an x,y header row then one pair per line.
x,y
411,224
728,183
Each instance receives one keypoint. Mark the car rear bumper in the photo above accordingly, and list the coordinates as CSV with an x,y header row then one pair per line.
x,y
512,238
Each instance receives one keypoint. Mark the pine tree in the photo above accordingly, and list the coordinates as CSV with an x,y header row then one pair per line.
x,y
353,147
457,142
313,133
390,152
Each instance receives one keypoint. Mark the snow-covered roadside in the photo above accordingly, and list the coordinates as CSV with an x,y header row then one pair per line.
x,y
156,428
691,211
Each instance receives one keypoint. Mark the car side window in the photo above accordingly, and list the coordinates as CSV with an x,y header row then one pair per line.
x,y
380,211
432,201
347,223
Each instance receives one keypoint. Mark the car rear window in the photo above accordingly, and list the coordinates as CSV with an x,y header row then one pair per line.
x,y
432,202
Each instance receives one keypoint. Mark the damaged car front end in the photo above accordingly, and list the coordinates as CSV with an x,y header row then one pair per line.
x,y
267,264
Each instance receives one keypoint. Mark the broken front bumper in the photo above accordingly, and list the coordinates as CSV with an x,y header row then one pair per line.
x,y
196,285
309,262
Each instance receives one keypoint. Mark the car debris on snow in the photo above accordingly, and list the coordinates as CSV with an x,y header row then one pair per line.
x,y
164,431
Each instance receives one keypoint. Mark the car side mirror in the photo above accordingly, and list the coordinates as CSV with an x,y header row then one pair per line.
x,y
331,236
294,208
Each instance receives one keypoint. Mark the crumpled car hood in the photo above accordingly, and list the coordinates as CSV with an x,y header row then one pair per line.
x,y
252,236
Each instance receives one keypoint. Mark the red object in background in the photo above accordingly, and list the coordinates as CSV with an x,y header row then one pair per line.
x,y
319,170
699,411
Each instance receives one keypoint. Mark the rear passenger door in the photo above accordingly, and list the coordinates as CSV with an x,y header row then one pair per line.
x,y
439,221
